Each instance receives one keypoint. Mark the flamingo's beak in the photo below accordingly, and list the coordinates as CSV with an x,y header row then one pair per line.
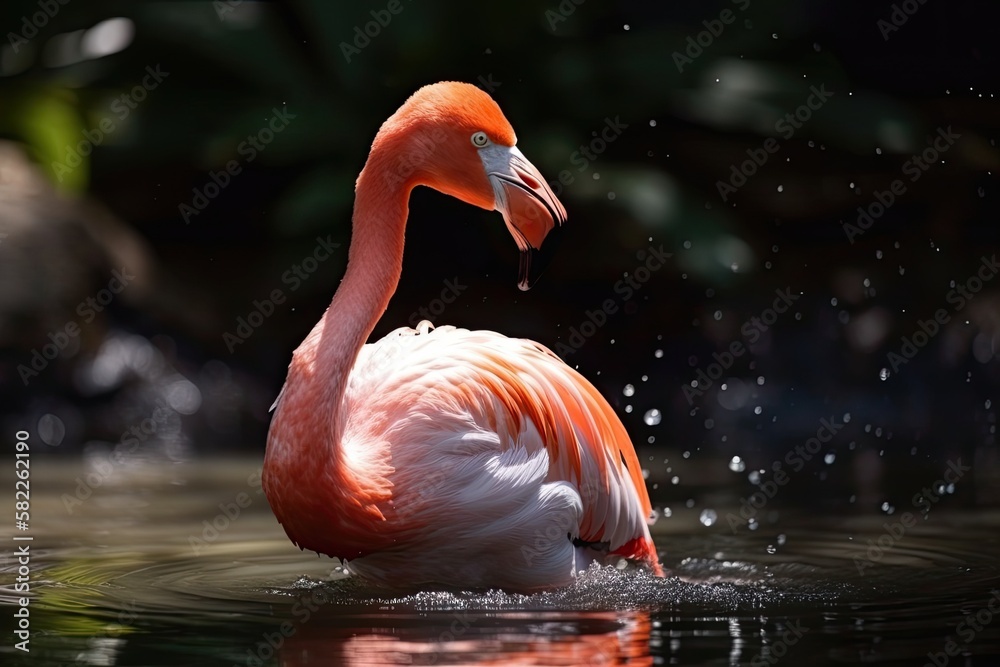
x,y
529,207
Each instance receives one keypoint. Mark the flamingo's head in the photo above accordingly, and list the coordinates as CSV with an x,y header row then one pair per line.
x,y
458,142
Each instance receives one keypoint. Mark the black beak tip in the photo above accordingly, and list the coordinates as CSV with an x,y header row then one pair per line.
x,y
534,261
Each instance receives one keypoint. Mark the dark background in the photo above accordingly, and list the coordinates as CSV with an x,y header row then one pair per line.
x,y
558,75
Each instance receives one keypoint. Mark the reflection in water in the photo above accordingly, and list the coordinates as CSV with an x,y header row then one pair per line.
x,y
476,638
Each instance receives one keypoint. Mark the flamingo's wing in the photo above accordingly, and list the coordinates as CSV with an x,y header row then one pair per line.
x,y
489,393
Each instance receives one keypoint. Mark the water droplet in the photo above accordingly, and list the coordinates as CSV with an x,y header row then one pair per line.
x,y
658,354
878,254
708,517
884,374
774,35
183,396
626,26
736,464
611,196
829,458
628,390
51,429
781,540
675,480
771,549
652,417
781,188
652,123
717,315
887,508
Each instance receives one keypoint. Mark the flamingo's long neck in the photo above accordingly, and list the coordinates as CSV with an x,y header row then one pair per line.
x,y
306,433
374,264
325,491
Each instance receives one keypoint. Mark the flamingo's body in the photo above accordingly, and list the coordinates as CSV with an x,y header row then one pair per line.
x,y
445,455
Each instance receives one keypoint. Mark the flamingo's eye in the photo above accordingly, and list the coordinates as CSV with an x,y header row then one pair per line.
x,y
479,139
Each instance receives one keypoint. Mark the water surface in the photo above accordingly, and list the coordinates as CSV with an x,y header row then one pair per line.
x,y
135,573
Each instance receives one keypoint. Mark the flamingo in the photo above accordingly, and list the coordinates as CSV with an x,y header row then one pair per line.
x,y
439,455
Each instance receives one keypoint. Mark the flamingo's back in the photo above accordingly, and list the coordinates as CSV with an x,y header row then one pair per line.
x,y
505,464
